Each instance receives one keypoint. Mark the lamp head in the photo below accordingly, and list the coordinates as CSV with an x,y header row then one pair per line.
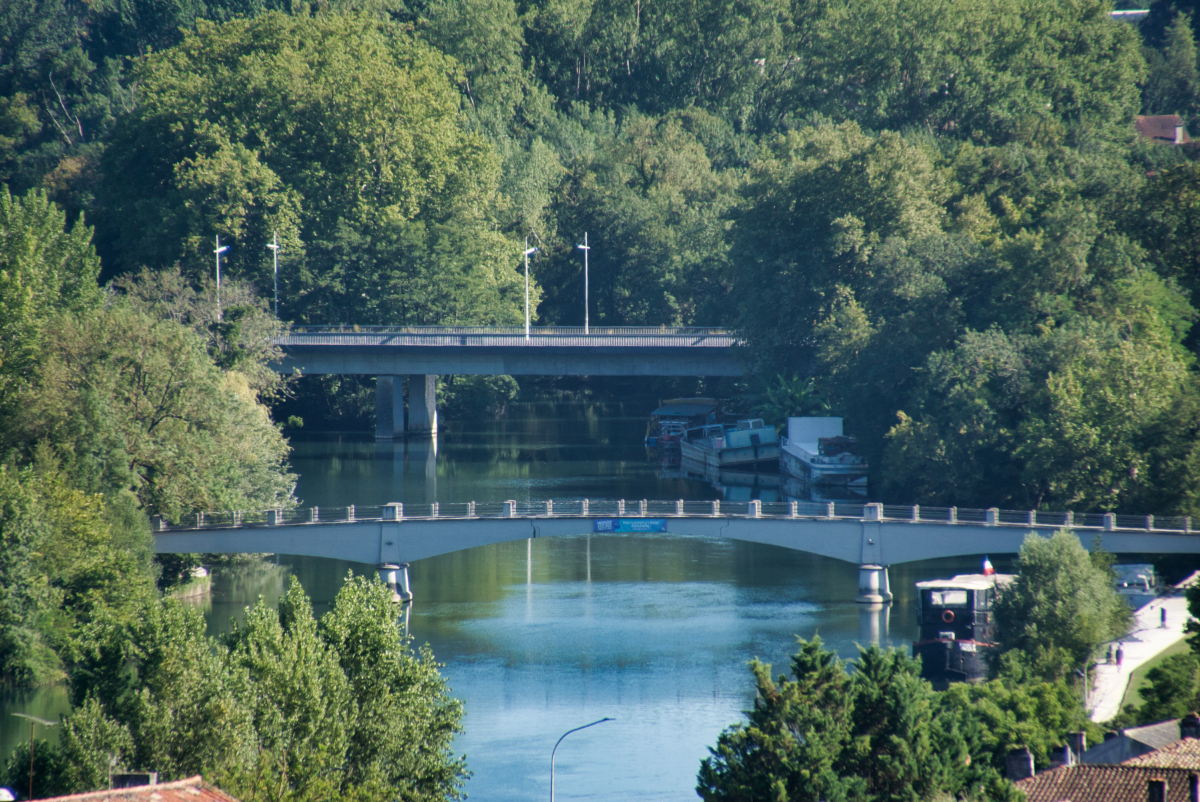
x,y
531,251
222,249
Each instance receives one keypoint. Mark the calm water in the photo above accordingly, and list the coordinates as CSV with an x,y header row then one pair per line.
x,y
538,637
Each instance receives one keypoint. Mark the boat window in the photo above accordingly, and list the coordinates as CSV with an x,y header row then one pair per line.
x,y
946,598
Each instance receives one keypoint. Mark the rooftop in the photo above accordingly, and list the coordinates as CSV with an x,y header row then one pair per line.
x,y
1183,754
193,789
1091,783
969,581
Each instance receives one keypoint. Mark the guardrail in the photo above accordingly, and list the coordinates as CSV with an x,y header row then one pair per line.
x,y
610,331
643,508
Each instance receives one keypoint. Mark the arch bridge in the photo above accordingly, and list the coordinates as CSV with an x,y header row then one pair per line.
x,y
871,536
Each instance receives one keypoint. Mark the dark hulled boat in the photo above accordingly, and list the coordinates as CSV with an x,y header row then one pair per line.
x,y
957,626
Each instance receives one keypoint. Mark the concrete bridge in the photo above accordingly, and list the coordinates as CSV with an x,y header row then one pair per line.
x,y
871,536
422,353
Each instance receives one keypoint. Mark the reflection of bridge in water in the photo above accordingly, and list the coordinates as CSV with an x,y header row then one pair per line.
x,y
872,536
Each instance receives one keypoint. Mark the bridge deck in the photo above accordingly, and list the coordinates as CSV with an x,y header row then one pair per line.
x,y
474,350
868,534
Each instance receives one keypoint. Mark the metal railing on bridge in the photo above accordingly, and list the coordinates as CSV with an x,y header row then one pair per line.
x,y
606,331
643,508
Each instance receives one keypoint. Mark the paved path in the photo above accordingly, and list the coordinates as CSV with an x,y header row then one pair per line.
x,y
1146,640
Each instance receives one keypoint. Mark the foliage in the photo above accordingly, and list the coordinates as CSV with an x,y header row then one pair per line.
x,y
337,131
65,562
285,708
130,403
1059,609
46,268
881,733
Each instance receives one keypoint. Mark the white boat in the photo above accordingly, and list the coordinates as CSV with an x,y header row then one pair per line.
x,y
816,451
749,445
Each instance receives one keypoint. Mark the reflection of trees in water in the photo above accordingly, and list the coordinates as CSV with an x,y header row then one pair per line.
x,y
237,585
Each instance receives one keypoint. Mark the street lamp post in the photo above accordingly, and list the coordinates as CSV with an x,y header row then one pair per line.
x,y
33,720
528,251
219,250
584,247
274,246
560,740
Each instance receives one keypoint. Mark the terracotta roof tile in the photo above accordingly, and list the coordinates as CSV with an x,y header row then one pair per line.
x,y
1161,128
1183,754
193,789
1091,783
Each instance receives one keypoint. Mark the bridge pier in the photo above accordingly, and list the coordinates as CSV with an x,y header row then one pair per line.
x,y
422,404
873,585
389,407
396,578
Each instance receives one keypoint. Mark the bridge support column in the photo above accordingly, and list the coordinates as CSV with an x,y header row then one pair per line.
x,y
874,621
396,578
389,408
422,404
873,585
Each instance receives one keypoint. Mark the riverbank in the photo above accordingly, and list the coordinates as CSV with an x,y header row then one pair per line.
x,y
1145,641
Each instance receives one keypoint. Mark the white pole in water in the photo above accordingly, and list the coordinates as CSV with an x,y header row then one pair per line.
x,y
274,246
528,251
560,740
220,250
584,247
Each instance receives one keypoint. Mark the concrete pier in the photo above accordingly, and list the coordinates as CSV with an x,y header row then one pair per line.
x,y
873,585
422,404
389,407
395,576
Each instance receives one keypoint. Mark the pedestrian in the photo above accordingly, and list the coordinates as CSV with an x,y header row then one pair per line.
x,y
1120,655
1109,659
1163,618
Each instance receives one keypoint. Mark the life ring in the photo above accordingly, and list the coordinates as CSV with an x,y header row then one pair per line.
x,y
948,616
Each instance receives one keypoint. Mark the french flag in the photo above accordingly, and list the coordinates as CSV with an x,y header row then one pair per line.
x,y
988,570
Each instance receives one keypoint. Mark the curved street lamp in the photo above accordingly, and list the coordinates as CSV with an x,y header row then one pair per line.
x,y
560,740
34,720
528,252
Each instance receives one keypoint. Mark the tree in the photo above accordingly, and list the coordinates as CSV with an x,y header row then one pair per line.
x,y
131,404
283,708
325,129
1173,86
879,734
1060,607
47,268
795,734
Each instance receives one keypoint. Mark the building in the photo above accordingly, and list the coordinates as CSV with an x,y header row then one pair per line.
x,y
1165,129
1166,773
1095,783
193,789
1135,741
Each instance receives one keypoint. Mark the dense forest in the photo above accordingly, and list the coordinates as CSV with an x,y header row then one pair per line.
x,y
935,219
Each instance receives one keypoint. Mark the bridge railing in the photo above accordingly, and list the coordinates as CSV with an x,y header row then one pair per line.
x,y
645,508
611,331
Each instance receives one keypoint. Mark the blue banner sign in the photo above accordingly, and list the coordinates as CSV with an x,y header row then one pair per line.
x,y
630,525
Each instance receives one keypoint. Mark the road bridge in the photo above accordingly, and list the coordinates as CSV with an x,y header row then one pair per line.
x,y
422,353
871,536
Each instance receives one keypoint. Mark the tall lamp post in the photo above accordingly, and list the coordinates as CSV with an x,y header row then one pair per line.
x,y
274,246
560,740
34,720
220,249
528,252
584,247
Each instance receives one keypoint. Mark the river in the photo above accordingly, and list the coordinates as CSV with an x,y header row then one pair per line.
x,y
538,637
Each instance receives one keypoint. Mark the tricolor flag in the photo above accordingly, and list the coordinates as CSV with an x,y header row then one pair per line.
x,y
988,570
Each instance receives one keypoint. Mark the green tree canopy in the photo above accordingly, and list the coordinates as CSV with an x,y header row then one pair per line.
x,y
332,130
1060,607
285,708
